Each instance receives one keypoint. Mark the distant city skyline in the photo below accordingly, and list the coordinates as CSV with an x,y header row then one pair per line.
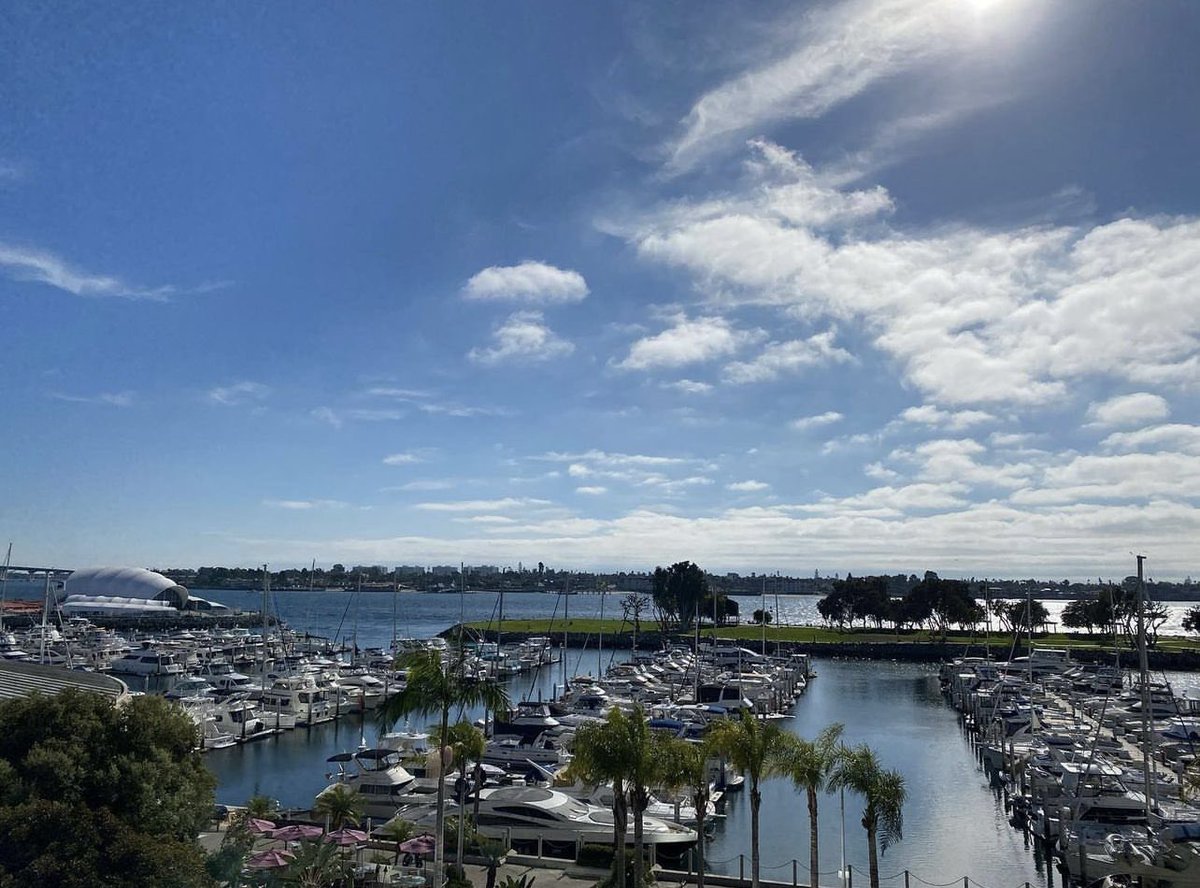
x,y
869,285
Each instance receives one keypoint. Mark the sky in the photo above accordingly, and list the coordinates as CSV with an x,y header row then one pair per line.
x,y
861,285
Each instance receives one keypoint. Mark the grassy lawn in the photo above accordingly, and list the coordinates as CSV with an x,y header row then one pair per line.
x,y
822,635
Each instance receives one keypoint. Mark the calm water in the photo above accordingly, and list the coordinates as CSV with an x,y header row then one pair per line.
x,y
954,824
423,614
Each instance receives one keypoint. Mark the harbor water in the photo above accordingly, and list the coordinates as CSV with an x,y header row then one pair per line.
x,y
955,824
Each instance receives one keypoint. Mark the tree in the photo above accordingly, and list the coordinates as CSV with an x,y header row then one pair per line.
x,y
644,769
809,764
93,794
754,747
1191,619
943,602
434,688
761,616
859,771
317,864
684,765
339,805
601,755
399,831
634,607
678,593
467,744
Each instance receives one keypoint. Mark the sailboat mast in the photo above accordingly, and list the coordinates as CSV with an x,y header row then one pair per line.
x,y
4,584
566,619
45,619
266,591
600,646
762,614
1144,671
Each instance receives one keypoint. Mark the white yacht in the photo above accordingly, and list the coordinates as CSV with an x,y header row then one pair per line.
x,y
147,661
525,813
378,777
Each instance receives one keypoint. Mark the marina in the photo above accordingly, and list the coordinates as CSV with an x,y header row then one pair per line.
x,y
292,713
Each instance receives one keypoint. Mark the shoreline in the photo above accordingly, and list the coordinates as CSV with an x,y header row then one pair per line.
x,y
914,651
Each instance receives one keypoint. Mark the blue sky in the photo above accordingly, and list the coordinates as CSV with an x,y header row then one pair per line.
x,y
859,285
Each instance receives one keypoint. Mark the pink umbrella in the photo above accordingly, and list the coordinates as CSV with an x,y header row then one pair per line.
x,y
259,826
346,836
423,844
296,832
270,859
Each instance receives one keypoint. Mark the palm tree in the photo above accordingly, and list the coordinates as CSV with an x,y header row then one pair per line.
x,y
754,747
261,807
434,688
340,805
601,755
684,766
467,743
399,831
809,764
317,864
859,770
644,770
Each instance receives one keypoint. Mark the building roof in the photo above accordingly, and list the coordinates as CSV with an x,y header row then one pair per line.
x,y
22,679
125,582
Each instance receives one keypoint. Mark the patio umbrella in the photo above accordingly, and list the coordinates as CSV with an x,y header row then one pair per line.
x,y
272,859
346,836
296,831
259,826
423,844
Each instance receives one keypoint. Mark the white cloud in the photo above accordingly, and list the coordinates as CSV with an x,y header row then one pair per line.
x,y
812,422
688,342
954,420
305,505
400,394
1173,436
523,337
1078,540
402,459
110,399
1127,476
689,386
27,264
604,458
962,460
880,471
748,486
1125,410
426,484
502,504
238,393
1009,439
896,501
326,415
591,491
787,357
462,410
969,316
843,50
529,281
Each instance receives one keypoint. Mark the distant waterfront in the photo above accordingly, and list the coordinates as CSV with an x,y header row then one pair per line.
x,y
955,825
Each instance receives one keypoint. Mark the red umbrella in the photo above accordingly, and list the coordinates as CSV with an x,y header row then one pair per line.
x,y
423,844
296,832
270,859
259,826
346,836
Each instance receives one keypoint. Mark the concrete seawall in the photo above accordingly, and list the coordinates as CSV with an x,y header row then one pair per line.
x,y
908,651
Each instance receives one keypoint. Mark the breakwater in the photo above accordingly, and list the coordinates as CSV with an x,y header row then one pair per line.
x,y
899,651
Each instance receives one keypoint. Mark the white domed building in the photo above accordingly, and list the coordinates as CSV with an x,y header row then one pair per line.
x,y
115,590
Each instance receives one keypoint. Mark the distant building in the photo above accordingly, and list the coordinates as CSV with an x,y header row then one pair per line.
x,y
125,590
